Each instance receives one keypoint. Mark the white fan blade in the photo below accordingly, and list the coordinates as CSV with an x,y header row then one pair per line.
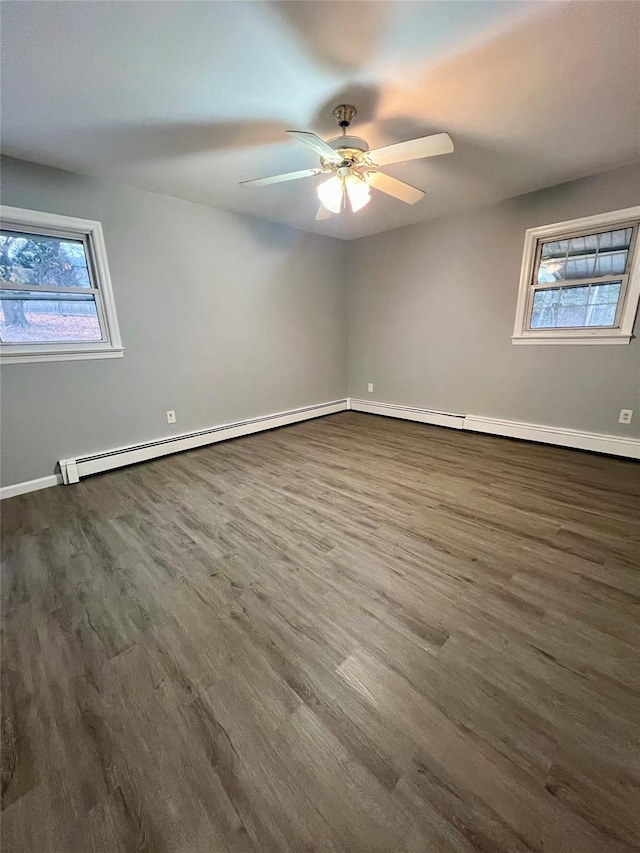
x,y
278,179
323,213
392,186
414,149
317,144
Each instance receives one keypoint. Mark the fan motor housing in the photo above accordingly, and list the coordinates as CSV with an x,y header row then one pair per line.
x,y
349,142
352,149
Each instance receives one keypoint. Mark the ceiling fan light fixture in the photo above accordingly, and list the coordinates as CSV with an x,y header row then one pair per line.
x,y
330,194
355,167
358,192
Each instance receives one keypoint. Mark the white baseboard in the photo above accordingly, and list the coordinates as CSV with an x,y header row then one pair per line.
x,y
613,445
73,469
29,486
408,413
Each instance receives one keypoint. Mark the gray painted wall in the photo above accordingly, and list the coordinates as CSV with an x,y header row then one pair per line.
x,y
432,307
223,317
253,319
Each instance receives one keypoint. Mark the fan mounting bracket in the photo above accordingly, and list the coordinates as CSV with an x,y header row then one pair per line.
x,y
344,114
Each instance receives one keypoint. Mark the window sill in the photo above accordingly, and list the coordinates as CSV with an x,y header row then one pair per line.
x,y
534,340
60,355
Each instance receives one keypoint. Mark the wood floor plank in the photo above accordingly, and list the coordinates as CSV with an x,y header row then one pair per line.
x,y
286,643
475,768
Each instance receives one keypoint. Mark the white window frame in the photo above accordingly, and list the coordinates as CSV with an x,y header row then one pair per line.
x,y
90,232
622,332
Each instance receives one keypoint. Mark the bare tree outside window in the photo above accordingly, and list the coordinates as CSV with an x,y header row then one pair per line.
x,y
46,262
56,298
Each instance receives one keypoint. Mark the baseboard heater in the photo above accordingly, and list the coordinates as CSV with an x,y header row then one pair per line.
x,y
612,445
409,413
72,470
94,463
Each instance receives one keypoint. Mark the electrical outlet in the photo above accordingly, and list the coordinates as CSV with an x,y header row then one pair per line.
x,y
171,417
370,388
625,416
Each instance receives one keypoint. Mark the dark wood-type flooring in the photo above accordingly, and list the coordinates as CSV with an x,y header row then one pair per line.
x,y
352,634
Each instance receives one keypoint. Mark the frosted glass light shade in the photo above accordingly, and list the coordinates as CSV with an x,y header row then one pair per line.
x,y
330,194
358,192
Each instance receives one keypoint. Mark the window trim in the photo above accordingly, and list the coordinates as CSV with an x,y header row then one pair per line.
x,y
90,232
629,295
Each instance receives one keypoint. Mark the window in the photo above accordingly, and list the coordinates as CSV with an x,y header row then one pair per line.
x,y
55,292
580,281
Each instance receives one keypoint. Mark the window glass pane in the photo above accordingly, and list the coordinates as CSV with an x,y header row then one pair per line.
x,y
601,315
35,316
573,295
580,267
552,261
585,256
571,316
604,264
605,292
36,259
545,298
555,249
543,318
551,269
621,238
573,307
560,296
611,263
577,246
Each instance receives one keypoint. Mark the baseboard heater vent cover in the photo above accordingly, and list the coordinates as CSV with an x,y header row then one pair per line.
x,y
94,463
612,445
409,413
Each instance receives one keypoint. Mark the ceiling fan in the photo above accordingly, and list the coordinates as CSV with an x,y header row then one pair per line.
x,y
354,168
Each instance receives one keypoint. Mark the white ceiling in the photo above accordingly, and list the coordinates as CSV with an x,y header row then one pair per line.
x,y
189,98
